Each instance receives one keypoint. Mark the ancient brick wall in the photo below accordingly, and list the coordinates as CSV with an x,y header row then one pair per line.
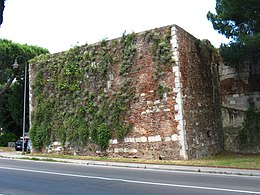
x,y
200,105
154,134
161,85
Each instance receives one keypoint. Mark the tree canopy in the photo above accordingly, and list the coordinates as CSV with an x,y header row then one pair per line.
x,y
9,51
238,20
11,101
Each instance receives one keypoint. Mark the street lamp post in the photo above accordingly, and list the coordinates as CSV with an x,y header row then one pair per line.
x,y
9,82
16,65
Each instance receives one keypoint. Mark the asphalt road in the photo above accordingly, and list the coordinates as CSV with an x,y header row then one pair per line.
x,y
32,177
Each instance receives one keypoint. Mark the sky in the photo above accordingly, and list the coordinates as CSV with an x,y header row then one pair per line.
x,y
61,24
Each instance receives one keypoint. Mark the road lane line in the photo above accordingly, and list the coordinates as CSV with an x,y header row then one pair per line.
x,y
131,181
182,171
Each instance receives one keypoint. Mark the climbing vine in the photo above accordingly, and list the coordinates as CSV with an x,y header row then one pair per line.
x,y
72,100
160,49
128,53
250,133
76,100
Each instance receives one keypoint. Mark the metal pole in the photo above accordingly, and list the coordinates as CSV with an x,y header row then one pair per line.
x,y
24,103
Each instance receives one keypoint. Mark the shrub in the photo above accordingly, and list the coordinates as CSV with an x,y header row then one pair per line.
x,y
7,137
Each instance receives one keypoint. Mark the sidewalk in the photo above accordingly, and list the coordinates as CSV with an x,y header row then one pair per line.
x,y
229,171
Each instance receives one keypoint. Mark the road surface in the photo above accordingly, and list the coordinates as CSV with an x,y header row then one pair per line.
x,y
32,177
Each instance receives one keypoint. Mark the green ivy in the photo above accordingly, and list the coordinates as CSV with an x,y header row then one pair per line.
x,y
71,104
74,84
103,135
161,89
250,133
128,52
160,49
41,129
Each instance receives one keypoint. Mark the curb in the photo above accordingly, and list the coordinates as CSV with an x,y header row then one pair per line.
x,y
191,169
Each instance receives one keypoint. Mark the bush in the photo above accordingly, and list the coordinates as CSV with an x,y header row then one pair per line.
x,y
103,136
250,133
7,137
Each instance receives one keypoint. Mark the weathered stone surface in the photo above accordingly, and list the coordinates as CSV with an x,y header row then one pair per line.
x,y
177,124
196,61
239,91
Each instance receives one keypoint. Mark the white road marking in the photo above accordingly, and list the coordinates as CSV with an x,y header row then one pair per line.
x,y
131,181
143,168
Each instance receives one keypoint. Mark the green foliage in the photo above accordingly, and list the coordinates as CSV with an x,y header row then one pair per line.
x,y
7,137
105,59
73,86
103,135
240,21
160,50
37,134
236,17
11,101
128,52
119,105
11,109
161,89
72,100
250,133
121,130
236,54
41,129
76,129
9,51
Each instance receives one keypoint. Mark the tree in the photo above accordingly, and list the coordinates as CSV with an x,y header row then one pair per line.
x,y
2,7
238,20
11,100
8,52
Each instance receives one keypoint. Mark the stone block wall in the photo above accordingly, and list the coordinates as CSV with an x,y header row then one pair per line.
x,y
240,90
168,85
198,67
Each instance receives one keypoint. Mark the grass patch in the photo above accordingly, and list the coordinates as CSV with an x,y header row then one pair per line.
x,y
33,158
6,149
231,160
50,160
40,159
227,160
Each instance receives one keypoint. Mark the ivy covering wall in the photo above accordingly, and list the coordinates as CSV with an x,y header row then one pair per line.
x,y
84,95
249,135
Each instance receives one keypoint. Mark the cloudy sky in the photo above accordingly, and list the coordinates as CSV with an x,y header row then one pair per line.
x,y
61,24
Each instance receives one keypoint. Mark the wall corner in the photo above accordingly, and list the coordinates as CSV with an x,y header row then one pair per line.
x,y
179,117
